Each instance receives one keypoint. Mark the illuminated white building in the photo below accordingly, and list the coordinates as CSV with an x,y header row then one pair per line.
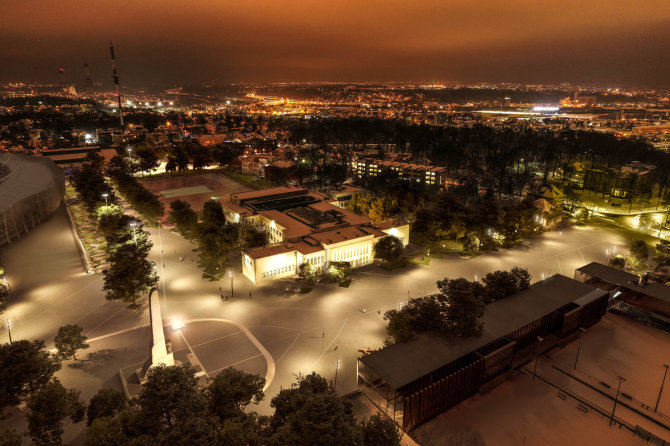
x,y
303,227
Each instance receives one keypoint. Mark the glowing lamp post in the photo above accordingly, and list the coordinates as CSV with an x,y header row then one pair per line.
x,y
134,225
9,331
337,367
105,197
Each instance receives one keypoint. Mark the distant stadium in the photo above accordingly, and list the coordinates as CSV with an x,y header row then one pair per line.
x,y
31,189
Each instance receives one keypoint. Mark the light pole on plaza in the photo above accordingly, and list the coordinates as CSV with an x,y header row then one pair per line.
x,y
337,366
231,282
9,331
105,197
134,225
662,383
9,288
616,399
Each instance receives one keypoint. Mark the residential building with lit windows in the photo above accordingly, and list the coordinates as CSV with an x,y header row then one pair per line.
x,y
416,173
304,227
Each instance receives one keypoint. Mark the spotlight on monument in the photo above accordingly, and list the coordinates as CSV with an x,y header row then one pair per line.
x,y
177,324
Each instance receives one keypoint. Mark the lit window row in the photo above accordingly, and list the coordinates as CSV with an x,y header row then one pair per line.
x,y
315,260
343,254
274,272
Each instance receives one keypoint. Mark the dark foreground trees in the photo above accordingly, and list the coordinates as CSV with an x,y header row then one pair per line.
x,y
232,391
25,366
311,414
105,403
173,409
49,408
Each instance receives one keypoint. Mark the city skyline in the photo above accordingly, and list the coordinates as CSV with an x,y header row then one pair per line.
x,y
599,43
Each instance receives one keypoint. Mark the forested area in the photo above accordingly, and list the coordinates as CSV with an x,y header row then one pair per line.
x,y
174,408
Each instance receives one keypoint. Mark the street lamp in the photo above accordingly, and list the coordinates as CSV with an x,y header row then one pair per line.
x,y
105,197
337,366
134,225
579,346
9,288
9,331
616,399
661,391
231,282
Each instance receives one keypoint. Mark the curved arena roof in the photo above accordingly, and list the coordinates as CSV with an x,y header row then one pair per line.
x,y
31,188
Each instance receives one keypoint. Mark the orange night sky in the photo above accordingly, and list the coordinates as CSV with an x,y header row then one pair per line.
x,y
602,42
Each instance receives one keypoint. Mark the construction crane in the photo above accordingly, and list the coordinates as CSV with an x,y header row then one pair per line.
x,y
87,75
116,82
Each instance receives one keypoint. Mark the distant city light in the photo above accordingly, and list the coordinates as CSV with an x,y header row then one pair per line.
x,y
542,108
160,104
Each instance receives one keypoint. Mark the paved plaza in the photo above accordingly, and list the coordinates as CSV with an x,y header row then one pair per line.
x,y
299,333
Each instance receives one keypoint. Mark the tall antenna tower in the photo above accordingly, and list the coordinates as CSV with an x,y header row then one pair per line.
x,y
87,75
61,77
116,81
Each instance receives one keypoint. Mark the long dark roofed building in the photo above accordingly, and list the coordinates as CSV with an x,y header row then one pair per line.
x,y
630,288
416,380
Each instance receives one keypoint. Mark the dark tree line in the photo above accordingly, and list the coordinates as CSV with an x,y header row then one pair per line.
x,y
504,160
90,184
216,238
457,309
129,273
140,198
190,151
173,409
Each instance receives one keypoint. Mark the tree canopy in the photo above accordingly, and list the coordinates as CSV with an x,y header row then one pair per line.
x,y
389,248
25,366
458,308
70,339
232,390
49,407
105,403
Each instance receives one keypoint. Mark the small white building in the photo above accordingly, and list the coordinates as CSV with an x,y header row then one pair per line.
x,y
303,227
